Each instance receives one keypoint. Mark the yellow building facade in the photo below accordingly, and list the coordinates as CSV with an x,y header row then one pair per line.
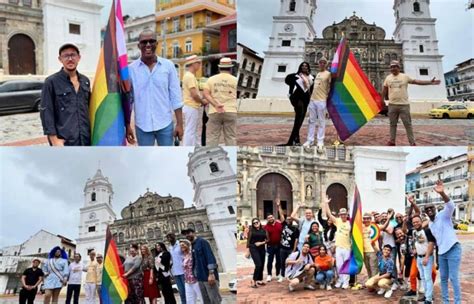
x,y
181,30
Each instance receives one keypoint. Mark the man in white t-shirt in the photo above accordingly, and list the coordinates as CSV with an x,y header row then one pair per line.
x,y
300,268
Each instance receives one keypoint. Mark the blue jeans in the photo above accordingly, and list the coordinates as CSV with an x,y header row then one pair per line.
x,y
324,277
180,283
163,137
425,274
449,263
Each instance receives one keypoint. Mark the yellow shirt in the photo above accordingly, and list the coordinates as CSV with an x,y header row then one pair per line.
x,y
100,268
189,82
397,88
322,84
223,88
92,272
367,240
342,237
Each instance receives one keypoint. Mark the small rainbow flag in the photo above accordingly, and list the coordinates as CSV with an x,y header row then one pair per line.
x,y
352,100
353,265
114,288
110,107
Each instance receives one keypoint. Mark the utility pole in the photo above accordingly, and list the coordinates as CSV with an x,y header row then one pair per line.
x,y
470,182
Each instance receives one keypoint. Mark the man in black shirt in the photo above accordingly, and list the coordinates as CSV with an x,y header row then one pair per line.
x,y
289,239
65,101
30,281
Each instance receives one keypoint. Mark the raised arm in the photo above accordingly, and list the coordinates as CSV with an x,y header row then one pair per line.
x,y
294,214
322,221
413,205
425,82
449,207
329,215
280,210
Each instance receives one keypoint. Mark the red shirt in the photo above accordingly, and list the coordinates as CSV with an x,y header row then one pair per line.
x,y
274,233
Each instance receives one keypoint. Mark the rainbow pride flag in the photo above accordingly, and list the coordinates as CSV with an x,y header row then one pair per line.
x,y
353,265
114,288
110,107
352,100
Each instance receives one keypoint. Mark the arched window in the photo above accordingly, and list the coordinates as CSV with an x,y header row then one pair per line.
x,y
244,64
416,7
387,59
199,226
170,208
213,166
249,85
241,78
150,234
253,67
292,5
121,237
158,232
191,225
93,196
319,55
394,56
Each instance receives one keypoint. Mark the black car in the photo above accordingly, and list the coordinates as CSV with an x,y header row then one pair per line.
x,y
20,96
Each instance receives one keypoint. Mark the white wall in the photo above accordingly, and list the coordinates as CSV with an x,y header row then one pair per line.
x,y
57,14
380,195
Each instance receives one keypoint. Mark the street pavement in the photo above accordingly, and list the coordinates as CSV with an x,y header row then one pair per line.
x,y
227,298
25,130
275,129
277,293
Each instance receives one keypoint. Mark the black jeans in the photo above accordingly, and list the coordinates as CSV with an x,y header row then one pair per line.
x,y
273,253
73,289
28,296
258,257
300,112
284,253
166,289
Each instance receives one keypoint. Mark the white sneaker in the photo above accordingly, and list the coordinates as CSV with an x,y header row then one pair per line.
x,y
269,278
280,279
310,287
338,284
290,288
388,294
381,291
345,286
421,288
328,287
308,144
321,286
394,286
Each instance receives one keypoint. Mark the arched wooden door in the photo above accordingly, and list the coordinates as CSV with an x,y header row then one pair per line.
x,y
268,187
21,55
338,195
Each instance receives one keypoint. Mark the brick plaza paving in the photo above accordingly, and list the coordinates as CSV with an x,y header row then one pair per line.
x,y
275,129
275,292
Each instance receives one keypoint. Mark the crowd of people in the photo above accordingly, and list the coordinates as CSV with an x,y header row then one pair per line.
x,y
407,254
164,110
189,262
310,93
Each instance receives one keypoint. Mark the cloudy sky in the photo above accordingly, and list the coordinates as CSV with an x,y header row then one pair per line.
x,y
43,188
133,8
420,154
454,25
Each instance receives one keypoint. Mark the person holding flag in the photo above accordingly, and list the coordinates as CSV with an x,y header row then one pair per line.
x,y
343,241
317,105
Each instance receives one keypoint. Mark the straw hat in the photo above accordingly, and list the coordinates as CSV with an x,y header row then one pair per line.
x,y
192,59
225,62
394,63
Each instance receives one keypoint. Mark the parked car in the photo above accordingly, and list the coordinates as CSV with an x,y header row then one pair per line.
x,y
452,111
20,96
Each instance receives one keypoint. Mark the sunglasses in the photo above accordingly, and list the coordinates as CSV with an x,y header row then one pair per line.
x,y
255,223
366,218
150,41
67,56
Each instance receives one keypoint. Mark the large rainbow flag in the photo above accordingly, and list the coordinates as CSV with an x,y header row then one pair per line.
x,y
110,106
114,288
353,265
352,100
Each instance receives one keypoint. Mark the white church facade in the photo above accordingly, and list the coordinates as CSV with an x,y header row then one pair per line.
x,y
293,28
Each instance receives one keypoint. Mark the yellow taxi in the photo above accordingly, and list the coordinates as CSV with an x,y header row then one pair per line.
x,y
452,111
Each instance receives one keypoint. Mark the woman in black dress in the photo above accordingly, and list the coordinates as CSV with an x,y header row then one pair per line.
x,y
163,266
256,241
301,87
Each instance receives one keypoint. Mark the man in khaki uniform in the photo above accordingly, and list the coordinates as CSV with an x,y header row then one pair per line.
x,y
395,87
192,109
317,105
221,91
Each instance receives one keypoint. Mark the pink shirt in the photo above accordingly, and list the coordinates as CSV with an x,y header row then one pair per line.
x,y
188,269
